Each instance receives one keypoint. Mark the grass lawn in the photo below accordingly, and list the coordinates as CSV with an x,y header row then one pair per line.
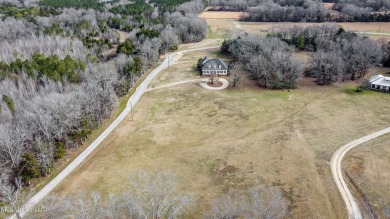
x,y
368,165
236,138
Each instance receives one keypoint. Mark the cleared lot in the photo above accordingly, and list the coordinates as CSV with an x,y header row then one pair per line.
x,y
237,138
226,24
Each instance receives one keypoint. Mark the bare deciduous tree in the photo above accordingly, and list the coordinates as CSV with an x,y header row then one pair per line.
x,y
11,194
154,196
327,67
229,206
267,203
235,70
387,212
151,196
85,206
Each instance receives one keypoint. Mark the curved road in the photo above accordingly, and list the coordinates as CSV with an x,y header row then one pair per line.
x,y
352,206
140,90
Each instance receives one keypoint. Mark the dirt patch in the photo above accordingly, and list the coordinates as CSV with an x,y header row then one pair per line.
x,y
122,36
220,15
201,44
328,5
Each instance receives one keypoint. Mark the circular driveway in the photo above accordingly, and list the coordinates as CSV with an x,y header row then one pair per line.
x,y
225,84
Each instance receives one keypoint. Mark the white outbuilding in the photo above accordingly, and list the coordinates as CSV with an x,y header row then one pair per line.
x,y
380,82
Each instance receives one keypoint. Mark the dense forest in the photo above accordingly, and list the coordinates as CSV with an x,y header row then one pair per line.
x,y
63,68
307,10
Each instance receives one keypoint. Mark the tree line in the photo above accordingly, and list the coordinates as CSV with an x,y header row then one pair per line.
x,y
306,11
155,195
339,55
268,60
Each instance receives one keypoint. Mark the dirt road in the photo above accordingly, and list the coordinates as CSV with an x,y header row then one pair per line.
x,y
352,206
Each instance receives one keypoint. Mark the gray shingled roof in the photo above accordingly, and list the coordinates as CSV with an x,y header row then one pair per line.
x,y
213,64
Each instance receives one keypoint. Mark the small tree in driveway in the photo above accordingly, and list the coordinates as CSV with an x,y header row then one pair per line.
x,y
213,77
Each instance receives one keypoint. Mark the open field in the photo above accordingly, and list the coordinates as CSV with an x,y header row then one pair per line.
x,y
201,44
357,26
236,138
243,137
368,165
226,24
328,5
220,15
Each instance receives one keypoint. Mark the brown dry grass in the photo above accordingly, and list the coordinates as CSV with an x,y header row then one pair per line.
x,y
185,69
203,43
226,24
357,26
220,15
328,5
122,36
369,166
220,28
236,138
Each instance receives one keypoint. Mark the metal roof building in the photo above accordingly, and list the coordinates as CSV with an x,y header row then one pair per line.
x,y
380,82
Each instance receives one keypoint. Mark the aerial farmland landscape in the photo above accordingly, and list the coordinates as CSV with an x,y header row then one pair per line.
x,y
195,109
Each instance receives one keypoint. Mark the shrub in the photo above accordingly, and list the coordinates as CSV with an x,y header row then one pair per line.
x,y
59,151
30,167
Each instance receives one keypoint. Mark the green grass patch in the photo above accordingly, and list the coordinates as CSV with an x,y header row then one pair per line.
x,y
271,94
210,166
354,90
384,71
209,32
220,33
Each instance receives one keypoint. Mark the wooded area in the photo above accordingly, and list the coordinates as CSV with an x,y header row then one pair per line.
x,y
338,55
57,82
64,67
